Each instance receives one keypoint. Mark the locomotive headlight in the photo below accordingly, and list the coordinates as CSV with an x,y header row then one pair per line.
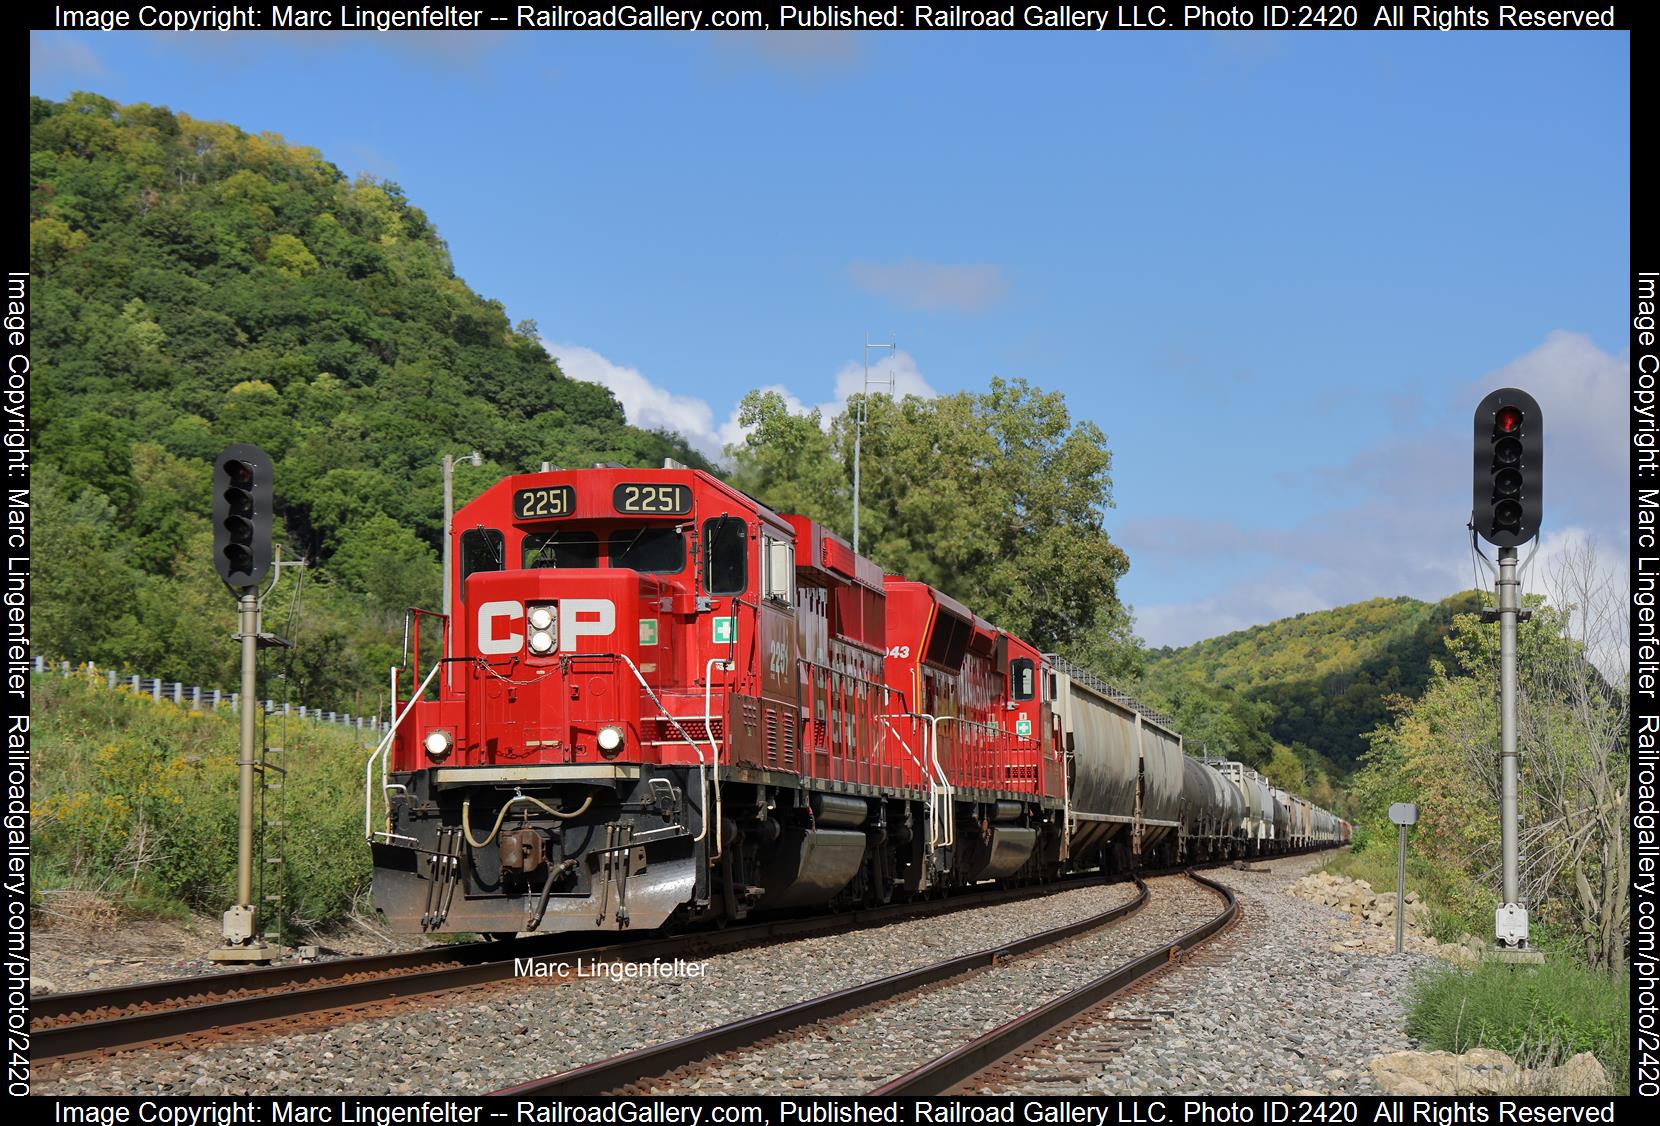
x,y
438,744
541,617
541,641
610,740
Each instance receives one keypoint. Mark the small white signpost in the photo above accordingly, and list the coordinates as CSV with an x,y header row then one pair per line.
x,y
1402,814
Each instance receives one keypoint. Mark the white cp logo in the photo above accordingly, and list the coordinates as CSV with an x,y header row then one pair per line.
x,y
578,617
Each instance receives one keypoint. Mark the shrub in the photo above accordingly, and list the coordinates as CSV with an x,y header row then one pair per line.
x,y
1535,1014
137,800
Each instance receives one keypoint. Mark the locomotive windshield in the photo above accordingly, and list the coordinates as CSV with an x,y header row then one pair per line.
x,y
649,548
563,549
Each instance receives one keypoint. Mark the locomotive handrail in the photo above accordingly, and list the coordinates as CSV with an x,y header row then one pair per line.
x,y
855,678
674,721
887,723
714,750
985,728
947,791
383,752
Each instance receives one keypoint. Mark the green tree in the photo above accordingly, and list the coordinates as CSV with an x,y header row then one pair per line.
x,y
387,562
1441,751
995,497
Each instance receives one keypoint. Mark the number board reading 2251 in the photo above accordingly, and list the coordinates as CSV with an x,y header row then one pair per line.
x,y
540,504
652,500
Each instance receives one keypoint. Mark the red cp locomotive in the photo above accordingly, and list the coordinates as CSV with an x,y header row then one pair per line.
x,y
658,701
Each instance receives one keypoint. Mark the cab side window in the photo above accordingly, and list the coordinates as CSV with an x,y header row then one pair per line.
x,y
778,565
1022,678
482,549
725,555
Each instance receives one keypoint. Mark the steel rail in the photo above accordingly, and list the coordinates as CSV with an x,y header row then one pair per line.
x,y
961,1064
200,1004
55,1006
657,1059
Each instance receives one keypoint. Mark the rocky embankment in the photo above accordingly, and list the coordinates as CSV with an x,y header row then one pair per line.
x,y
1372,915
1482,1071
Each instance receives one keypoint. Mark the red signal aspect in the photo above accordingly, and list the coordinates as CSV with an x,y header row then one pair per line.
x,y
1508,421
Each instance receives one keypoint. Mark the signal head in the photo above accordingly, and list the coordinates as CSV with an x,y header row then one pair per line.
x,y
1508,468
242,511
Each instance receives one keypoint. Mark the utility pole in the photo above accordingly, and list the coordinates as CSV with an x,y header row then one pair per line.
x,y
859,427
448,463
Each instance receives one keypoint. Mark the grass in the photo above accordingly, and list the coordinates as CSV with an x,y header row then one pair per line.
x,y
1535,1014
137,801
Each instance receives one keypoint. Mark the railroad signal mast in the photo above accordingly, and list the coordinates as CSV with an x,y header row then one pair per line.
x,y
1508,452
243,507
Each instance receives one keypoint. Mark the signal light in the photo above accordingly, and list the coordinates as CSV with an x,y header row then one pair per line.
x,y
1509,468
242,510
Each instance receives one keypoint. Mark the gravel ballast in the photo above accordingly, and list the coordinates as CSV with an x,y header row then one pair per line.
x,y
529,1027
1271,1009
835,1057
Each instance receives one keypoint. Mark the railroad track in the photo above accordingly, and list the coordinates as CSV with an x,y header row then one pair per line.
x,y
681,1065
995,1055
72,1024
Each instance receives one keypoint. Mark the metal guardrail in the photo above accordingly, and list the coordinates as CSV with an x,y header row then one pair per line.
x,y
369,728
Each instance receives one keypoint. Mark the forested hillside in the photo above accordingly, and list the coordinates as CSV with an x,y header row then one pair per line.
x,y
1320,680
196,285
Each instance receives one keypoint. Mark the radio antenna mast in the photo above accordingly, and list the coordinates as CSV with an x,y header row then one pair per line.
x,y
859,415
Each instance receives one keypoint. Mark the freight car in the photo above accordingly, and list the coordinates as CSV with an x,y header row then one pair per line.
x,y
657,702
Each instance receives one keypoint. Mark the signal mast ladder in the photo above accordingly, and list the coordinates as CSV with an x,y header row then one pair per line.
x,y
273,863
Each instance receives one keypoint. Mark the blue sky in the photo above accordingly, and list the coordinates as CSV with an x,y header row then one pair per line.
x,y
1278,270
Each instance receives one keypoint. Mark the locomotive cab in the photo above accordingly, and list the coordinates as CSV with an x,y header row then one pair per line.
x,y
558,766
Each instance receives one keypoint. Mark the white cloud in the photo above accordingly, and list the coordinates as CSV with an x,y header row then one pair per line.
x,y
1238,607
644,403
649,405
932,285
897,368
1407,537
1573,569
1582,391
